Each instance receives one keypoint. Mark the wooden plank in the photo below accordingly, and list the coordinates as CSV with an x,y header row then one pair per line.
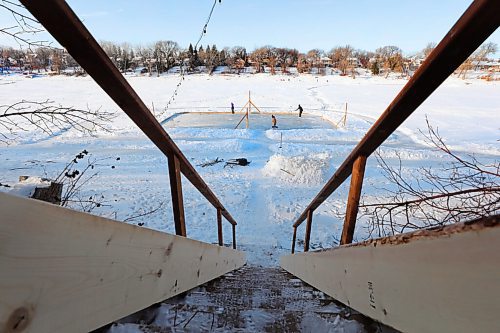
x,y
67,271
294,239
358,173
219,227
445,280
307,237
174,172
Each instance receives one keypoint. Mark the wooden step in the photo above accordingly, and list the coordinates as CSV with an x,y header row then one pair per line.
x,y
250,299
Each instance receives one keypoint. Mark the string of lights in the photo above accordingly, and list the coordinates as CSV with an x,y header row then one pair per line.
x,y
182,70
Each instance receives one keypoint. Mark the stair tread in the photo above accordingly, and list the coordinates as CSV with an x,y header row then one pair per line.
x,y
253,299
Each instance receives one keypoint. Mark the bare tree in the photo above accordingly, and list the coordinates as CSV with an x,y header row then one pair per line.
x,y
473,62
302,64
483,52
465,189
342,58
259,58
391,58
313,57
236,58
290,59
48,117
427,49
364,57
165,53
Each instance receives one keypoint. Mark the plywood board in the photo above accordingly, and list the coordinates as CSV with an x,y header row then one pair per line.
x,y
66,271
444,280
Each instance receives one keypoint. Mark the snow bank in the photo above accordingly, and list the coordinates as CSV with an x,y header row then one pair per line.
x,y
305,170
26,187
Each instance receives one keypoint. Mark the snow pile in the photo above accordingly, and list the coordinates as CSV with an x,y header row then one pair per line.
x,y
305,170
26,187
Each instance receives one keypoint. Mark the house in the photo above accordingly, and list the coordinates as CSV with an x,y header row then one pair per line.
x,y
486,65
327,62
354,62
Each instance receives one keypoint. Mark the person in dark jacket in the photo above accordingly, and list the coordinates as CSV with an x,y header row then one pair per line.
x,y
273,120
300,110
232,107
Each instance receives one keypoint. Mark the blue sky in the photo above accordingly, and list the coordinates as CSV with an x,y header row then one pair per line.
x,y
301,24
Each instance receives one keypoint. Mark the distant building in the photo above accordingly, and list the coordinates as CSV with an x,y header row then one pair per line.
x,y
327,62
354,62
486,65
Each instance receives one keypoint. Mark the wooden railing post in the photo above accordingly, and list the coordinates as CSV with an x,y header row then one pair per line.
x,y
358,172
219,227
308,230
294,239
234,236
174,172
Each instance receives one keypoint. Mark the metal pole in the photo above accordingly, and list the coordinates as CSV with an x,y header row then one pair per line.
x,y
308,230
234,236
219,227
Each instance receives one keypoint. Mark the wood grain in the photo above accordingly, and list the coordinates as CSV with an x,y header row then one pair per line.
x,y
66,271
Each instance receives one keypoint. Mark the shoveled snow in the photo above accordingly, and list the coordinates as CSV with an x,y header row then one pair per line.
x,y
299,170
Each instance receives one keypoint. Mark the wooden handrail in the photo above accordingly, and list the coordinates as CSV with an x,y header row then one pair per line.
x,y
477,23
63,24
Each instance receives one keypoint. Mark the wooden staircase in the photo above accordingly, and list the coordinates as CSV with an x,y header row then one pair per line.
x,y
250,299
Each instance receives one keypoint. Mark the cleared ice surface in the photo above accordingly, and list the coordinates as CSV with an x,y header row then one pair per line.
x,y
256,121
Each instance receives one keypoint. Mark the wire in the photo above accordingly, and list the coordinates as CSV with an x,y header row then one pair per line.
x,y
182,71
204,30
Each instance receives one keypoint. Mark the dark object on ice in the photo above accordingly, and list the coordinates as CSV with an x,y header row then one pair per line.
x,y
232,107
274,121
210,163
237,161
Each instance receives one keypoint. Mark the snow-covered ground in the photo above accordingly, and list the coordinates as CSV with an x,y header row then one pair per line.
x,y
288,165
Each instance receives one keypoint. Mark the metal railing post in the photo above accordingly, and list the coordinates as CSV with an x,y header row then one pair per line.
x,y
234,236
358,172
219,227
294,239
308,230
174,172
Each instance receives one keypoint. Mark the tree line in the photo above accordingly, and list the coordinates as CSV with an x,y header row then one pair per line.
x,y
161,56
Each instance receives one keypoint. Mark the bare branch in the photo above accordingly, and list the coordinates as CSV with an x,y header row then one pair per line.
x,y
461,190
48,117
23,26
